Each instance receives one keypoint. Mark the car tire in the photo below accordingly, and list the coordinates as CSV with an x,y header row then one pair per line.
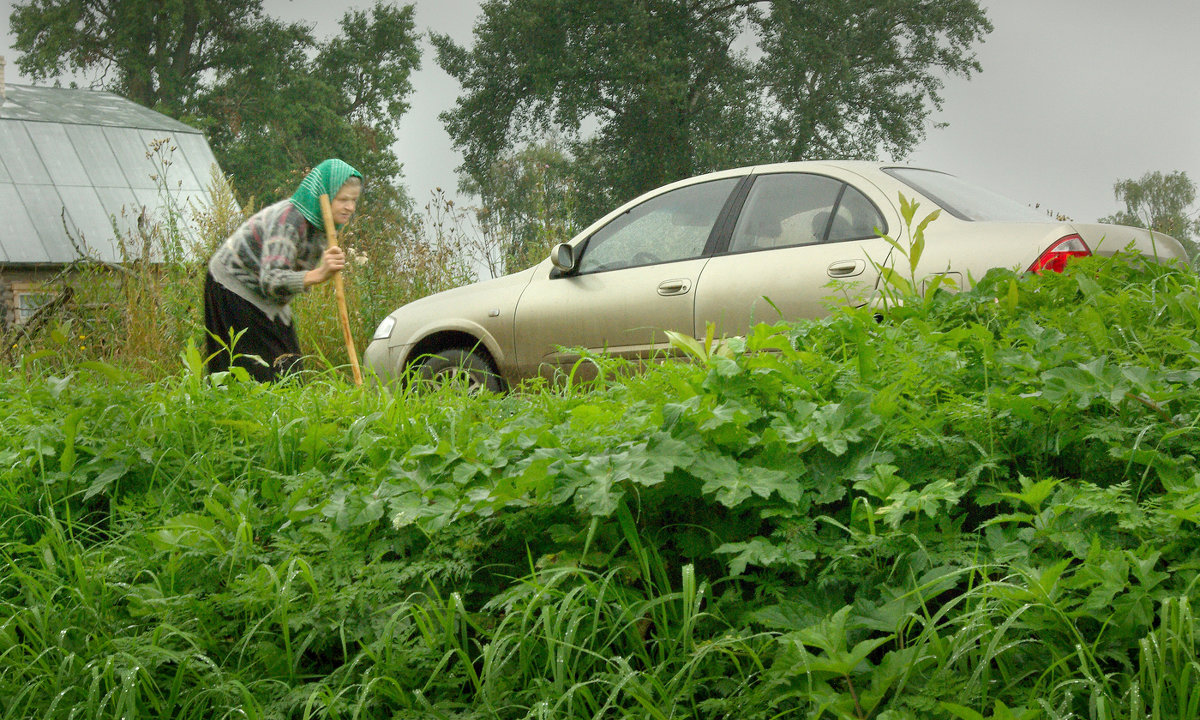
x,y
459,366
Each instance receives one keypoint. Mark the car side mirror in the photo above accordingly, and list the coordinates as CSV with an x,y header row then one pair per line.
x,y
562,257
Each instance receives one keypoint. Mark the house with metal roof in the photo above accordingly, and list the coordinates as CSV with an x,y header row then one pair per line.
x,y
81,171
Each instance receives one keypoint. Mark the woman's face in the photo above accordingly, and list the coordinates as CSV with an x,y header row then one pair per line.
x,y
344,203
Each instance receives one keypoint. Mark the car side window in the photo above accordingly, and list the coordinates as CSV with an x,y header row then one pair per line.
x,y
666,228
784,210
792,209
857,218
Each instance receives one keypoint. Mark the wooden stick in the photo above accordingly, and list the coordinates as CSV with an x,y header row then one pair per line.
x,y
340,290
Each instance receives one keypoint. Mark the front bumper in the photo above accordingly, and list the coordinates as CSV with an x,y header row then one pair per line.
x,y
383,361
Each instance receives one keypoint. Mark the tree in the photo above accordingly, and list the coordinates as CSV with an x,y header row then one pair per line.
x,y
1159,202
528,205
271,99
149,52
649,91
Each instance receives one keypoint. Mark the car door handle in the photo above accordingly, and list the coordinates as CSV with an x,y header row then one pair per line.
x,y
846,268
678,286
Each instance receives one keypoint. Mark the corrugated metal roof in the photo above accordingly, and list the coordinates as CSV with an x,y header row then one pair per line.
x,y
75,106
83,160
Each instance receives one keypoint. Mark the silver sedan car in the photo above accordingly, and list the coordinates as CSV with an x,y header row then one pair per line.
x,y
731,248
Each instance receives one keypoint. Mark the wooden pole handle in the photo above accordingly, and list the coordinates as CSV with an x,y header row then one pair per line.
x,y
340,291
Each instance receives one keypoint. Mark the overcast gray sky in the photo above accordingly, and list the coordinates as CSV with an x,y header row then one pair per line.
x,y
1074,95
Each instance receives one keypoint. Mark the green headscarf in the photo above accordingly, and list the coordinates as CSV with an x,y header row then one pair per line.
x,y
325,179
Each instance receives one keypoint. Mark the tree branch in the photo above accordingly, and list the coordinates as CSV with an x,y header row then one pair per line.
x,y
733,5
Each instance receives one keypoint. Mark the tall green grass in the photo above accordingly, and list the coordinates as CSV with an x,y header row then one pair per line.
x,y
984,506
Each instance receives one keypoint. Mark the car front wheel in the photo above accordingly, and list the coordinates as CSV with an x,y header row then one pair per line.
x,y
459,367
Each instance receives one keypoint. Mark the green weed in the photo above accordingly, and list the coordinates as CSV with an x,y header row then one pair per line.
x,y
984,506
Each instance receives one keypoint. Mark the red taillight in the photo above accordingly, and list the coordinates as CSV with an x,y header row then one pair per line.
x,y
1056,256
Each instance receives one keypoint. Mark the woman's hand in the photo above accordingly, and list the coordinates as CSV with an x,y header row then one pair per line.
x,y
333,260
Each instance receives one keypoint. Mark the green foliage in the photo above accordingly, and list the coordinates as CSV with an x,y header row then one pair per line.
x,y
271,99
898,289
152,50
1160,202
528,206
996,516
650,93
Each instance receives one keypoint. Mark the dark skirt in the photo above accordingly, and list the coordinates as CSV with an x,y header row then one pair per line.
x,y
275,342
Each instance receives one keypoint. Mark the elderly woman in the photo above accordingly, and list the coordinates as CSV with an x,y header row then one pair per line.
x,y
274,256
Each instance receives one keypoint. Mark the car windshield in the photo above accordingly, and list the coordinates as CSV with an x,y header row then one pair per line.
x,y
964,200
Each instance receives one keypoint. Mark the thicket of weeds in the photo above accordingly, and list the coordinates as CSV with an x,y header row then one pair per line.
x,y
984,506
137,313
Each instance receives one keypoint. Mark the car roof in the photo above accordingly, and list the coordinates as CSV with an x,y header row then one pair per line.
x,y
855,166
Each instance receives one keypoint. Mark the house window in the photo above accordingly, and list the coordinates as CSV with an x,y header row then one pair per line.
x,y
27,300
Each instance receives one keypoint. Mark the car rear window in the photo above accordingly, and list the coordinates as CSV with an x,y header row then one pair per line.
x,y
965,200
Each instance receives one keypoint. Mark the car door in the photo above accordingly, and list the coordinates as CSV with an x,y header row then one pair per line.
x,y
801,241
635,279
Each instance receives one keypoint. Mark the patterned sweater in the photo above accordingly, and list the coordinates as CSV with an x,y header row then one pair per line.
x,y
264,261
